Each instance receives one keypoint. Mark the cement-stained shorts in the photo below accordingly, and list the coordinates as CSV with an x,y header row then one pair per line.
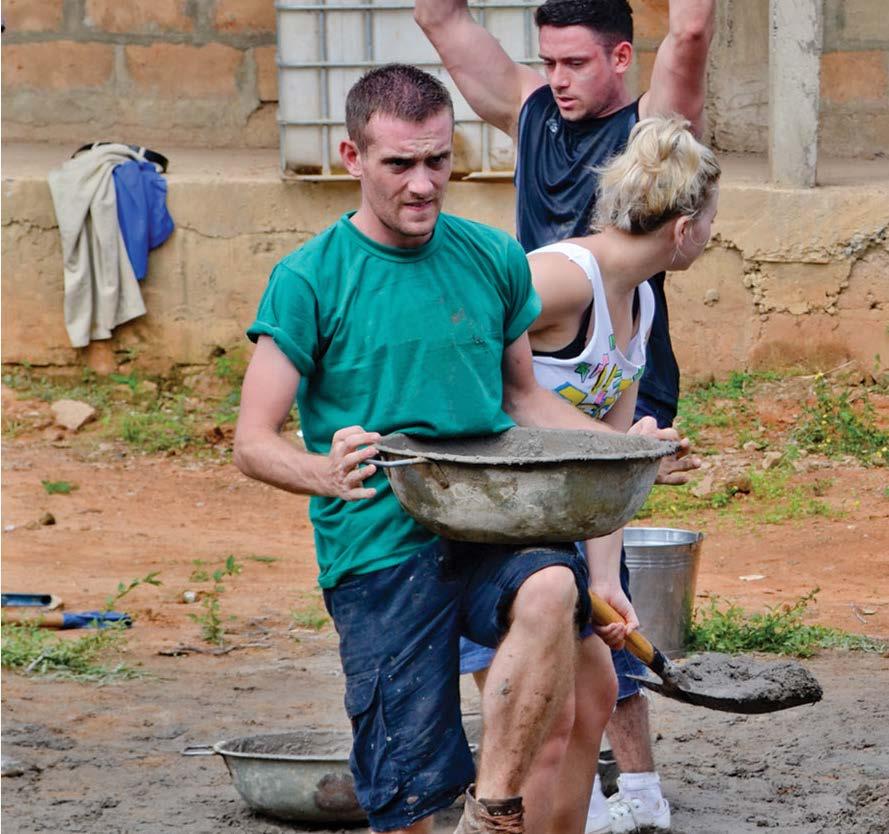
x,y
399,634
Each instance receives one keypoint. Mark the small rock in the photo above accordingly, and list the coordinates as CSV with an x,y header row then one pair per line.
x,y
46,519
711,297
771,459
72,414
703,488
750,446
146,386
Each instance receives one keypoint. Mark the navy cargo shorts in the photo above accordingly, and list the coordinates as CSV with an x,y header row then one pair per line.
x,y
399,632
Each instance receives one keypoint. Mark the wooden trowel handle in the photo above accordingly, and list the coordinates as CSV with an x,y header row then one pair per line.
x,y
604,614
44,619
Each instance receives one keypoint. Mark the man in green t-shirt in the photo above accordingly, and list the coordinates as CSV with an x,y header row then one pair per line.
x,y
400,318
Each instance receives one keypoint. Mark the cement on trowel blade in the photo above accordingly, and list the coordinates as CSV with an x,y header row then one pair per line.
x,y
748,679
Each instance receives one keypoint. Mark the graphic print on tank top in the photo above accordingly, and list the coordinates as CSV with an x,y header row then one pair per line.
x,y
594,380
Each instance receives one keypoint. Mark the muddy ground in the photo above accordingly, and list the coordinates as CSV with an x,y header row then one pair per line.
x,y
107,758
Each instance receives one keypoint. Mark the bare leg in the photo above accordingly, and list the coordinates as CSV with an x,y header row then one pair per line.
x,y
596,691
526,686
630,736
538,791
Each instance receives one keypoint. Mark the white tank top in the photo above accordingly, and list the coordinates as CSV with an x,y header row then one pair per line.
x,y
595,378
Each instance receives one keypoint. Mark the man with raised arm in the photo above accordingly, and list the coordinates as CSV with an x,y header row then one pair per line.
x,y
565,125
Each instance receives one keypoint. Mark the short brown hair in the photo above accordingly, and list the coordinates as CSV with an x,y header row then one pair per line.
x,y
611,20
398,90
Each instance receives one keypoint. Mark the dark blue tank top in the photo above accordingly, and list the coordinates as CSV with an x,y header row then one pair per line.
x,y
556,193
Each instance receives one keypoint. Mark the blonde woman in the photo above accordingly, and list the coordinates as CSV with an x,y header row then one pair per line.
x,y
654,209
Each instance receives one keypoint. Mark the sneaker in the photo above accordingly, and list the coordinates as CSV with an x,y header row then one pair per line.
x,y
598,817
631,815
598,822
481,816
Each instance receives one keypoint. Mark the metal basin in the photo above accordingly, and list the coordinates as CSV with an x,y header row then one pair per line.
x,y
524,486
292,776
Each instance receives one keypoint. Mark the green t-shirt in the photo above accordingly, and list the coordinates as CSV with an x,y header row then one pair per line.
x,y
394,340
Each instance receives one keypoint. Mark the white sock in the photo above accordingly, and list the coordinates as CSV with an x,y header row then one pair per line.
x,y
646,787
598,803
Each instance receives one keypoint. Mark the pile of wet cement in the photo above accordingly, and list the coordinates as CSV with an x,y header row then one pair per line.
x,y
741,677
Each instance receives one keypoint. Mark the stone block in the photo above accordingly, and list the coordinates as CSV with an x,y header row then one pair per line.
x,y
28,16
848,77
181,71
800,288
245,16
852,131
645,61
57,65
266,73
650,19
863,21
157,16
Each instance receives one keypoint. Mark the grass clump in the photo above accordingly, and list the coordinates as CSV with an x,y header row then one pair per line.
x,y
833,427
780,630
210,618
771,499
58,487
32,650
719,404
309,613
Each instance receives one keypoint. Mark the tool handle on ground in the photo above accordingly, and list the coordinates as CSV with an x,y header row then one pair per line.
x,y
44,619
604,614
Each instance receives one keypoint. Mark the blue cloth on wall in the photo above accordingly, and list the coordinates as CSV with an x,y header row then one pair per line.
x,y
141,211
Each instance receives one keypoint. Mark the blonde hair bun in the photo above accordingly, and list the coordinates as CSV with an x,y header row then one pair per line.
x,y
663,173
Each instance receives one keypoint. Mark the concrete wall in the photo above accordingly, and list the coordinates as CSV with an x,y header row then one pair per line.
x,y
793,277
202,72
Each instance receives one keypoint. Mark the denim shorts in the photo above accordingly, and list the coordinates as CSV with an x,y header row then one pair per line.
x,y
474,657
399,632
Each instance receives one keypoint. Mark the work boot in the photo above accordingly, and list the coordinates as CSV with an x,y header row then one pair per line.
x,y
491,816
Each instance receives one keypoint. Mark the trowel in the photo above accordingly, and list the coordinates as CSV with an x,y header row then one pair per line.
x,y
730,683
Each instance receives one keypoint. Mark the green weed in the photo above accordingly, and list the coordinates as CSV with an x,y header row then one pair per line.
x,y
717,404
165,428
58,487
780,630
833,427
309,613
772,500
210,619
266,560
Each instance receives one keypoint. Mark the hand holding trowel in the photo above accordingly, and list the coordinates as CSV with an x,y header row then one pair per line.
x,y
718,681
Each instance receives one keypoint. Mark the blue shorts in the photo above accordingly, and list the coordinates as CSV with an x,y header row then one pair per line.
x,y
474,658
399,634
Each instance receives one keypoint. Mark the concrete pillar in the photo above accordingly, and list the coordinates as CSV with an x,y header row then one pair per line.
x,y
795,39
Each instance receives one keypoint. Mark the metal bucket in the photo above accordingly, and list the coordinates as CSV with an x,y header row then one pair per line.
x,y
663,565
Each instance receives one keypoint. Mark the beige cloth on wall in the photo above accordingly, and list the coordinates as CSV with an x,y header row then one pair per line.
x,y
101,290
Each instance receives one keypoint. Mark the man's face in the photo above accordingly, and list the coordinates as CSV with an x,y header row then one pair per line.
x,y
586,78
403,171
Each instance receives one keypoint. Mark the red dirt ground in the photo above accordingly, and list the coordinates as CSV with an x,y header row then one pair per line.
x,y
105,758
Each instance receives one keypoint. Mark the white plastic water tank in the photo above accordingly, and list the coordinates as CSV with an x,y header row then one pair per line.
x,y
324,47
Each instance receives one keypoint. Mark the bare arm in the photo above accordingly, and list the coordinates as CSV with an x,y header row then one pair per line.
x,y
269,389
679,76
494,85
